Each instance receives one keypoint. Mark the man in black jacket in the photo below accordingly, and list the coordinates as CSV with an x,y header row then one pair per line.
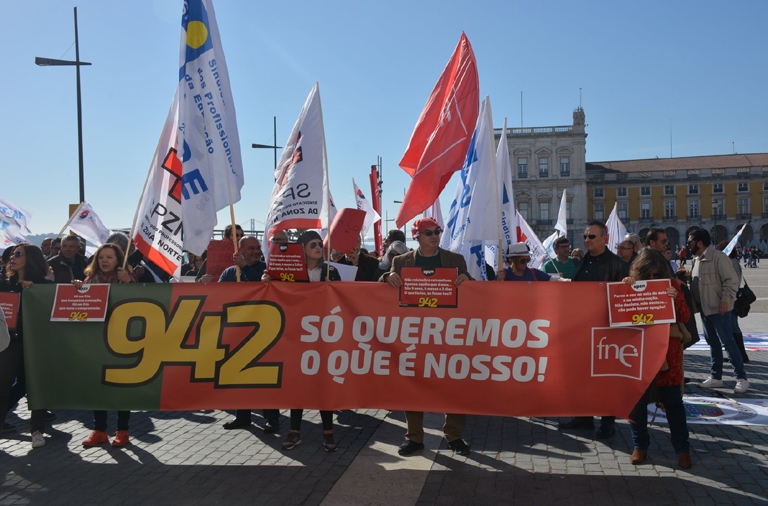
x,y
69,264
599,264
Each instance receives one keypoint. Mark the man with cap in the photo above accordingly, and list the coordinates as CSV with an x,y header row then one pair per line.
x,y
429,255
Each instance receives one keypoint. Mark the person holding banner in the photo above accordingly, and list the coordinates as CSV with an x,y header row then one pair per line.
x,y
599,264
429,255
69,264
563,264
106,267
651,264
317,271
27,266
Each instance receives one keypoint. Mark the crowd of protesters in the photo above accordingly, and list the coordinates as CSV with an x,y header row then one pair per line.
x,y
708,287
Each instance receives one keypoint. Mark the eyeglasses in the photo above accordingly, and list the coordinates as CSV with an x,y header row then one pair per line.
x,y
315,244
522,260
18,254
590,236
664,241
430,233
566,245
626,247
656,275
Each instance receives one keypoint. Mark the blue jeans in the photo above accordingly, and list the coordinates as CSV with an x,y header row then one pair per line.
x,y
678,428
718,333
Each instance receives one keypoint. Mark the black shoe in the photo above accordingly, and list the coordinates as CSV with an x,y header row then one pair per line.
x,y
409,447
50,415
7,427
605,431
686,380
272,426
579,422
237,423
459,447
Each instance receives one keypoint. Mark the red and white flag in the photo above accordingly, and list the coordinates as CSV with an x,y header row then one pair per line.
x,y
371,216
441,137
526,234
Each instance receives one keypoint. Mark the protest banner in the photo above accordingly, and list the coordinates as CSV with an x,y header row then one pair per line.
x,y
428,287
9,305
640,303
286,262
86,304
542,350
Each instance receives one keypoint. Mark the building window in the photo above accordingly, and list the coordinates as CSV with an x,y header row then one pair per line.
x,y
765,205
621,210
669,189
621,191
669,209
524,208
565,167
765,186
567,209
522,168
693,189
645,210
645,191
718,208
543,167
544,211
743,187
598,193
693,209
743,207
599,211
717,188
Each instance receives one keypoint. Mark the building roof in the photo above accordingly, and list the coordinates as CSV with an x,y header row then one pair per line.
x,y
684,163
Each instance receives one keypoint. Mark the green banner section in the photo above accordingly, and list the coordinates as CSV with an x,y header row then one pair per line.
x,y
64,360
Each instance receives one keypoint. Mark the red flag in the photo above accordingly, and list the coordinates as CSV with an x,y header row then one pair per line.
x,y
441,138
374,178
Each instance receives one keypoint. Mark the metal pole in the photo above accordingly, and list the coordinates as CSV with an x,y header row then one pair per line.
x,y
79,114
274,143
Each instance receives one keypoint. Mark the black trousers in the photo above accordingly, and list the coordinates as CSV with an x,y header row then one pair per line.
x,y
11,367
298,414
100,420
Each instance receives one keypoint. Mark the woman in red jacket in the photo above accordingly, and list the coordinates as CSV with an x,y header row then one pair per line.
x,y
651,264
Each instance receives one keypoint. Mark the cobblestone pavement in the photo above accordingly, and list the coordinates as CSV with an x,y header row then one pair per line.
x,y
188,458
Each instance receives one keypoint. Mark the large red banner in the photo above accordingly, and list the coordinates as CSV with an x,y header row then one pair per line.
x,y
532,350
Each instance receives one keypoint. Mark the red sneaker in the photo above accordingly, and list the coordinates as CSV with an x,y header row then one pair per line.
x,y
121,439
96,438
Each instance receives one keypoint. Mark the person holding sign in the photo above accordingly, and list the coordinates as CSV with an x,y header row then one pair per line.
x,y
26,267
429,255
106,267
651,264
317,271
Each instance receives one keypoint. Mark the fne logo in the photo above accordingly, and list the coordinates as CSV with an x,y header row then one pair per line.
x,y
618,352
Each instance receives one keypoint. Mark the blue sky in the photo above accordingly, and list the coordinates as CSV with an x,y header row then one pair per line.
x,y
699,66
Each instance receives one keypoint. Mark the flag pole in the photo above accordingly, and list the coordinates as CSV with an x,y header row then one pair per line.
x,y
70,219
233,235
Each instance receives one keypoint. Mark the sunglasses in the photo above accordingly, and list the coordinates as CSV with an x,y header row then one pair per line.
x,y
522,260
430,233
17,254
590,236
656,275
315,244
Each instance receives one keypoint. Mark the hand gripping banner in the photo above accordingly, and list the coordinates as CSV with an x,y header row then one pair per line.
x,y
513,349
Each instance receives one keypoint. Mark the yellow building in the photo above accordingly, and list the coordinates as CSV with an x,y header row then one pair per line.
x,y
719,193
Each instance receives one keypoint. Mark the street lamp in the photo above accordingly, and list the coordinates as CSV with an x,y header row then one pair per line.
x,y
715,207
49,62
274,145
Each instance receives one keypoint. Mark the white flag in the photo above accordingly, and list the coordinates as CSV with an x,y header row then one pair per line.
x,y
87,224
734,241
300,197
616,230
561,228
436,213
11,214
371,216
526,234
507,199
209,142
474,213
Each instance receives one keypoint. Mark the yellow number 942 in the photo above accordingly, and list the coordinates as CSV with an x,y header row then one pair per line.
x,y
642,318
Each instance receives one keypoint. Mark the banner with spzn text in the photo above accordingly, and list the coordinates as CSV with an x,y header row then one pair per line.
x,y
515,349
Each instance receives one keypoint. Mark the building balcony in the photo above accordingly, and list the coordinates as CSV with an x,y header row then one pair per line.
x,y
569,221
744,216
718,216
544,222
765,215
522,175
645,220
530,131
668,219
694,217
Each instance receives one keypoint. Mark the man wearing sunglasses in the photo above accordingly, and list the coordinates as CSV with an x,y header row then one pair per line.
x,y
429,255
599,264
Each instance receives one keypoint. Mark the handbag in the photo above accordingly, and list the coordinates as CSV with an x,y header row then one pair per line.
x,y
744,299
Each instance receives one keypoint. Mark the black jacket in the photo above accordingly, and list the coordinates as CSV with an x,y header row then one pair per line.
x,y
610,267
